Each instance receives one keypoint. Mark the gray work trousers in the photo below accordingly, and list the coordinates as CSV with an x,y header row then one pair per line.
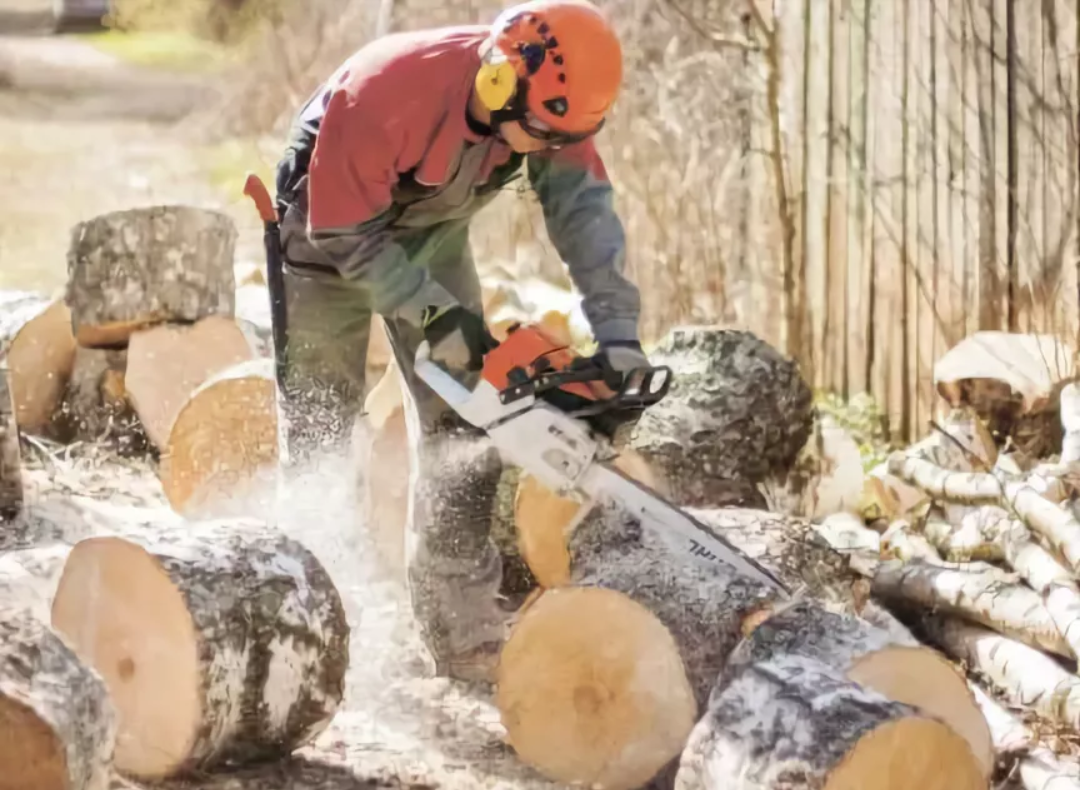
x,y
454,568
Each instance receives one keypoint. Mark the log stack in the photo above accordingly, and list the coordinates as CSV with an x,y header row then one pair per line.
x,y
977,545
145,352
631,667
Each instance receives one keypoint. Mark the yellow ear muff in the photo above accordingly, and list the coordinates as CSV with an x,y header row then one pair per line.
x,y
495,84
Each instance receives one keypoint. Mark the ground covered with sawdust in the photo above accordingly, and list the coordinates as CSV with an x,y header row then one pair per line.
x,y
398,726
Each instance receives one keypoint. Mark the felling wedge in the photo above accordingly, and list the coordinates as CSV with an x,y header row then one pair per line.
x,y
554,414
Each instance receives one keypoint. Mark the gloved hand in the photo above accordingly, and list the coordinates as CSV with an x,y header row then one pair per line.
x,y
458,337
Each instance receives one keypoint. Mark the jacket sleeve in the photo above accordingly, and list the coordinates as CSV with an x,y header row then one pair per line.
x,y
352,172
578,205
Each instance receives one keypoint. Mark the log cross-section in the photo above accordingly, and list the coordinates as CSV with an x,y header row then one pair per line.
x,y
224,644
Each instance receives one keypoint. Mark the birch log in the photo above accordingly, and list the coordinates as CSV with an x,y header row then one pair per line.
x,y
222,645
131,269
792,722
1054,523
165,364
38,349
738,412
984,595
601,679
545,520
57,724
11,477
1038,567
1028,678
894,665
221,458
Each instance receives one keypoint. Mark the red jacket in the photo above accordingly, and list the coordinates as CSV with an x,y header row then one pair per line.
x,y
392,122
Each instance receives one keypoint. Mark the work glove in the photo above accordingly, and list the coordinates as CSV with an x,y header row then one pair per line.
x,y
458,337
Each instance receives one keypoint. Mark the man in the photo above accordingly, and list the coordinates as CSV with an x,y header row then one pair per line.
x,y
386,165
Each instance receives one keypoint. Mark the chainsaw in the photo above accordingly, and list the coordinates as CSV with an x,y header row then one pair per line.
x,y
555,414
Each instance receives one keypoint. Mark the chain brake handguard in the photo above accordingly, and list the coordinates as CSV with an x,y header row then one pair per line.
x,y
633,389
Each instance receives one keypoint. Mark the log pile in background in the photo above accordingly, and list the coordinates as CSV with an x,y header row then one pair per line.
x,y
974,540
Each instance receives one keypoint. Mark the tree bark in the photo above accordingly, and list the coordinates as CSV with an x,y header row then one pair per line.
x,y
221,458
11,479
38,349
738,412
232,628
95,406
1027,677
57,724
128,270
988,596
30,576
891,663
1059,527
790,721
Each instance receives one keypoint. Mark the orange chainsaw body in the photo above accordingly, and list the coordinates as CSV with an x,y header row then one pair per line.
x,y
528,351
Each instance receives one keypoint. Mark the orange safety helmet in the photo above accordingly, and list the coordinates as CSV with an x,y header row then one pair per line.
x,y
568,66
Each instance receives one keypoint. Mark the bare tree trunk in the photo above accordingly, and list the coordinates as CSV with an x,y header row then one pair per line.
x,y
1011,66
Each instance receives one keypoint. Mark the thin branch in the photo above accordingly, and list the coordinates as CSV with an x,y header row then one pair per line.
x,y
719,39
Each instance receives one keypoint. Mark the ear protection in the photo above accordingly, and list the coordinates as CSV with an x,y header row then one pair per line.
x,y
497,79
496,84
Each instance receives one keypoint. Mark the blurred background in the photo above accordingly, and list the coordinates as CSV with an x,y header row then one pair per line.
x,y
863,183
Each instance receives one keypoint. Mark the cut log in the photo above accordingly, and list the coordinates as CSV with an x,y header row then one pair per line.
x,y
789,722
95,406
544,519
11,477
896,666
38,349
985,595
588,687
223,645
386,471
58,727
167,363
1012,381
221,458
738,412
131,269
